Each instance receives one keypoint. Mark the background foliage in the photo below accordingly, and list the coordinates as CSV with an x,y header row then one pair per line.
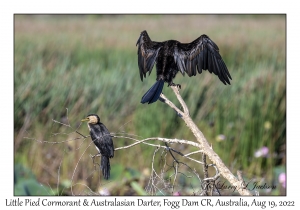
x,y
88,64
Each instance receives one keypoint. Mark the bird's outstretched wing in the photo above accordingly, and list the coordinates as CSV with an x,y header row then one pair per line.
x,y
147,53
201,54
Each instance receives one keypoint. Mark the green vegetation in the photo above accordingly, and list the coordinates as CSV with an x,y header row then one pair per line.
x,y
88,64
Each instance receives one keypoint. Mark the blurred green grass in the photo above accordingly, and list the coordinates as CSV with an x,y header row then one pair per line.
x,y
88,64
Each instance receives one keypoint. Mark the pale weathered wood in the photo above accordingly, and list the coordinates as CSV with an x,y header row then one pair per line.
x,y
204,146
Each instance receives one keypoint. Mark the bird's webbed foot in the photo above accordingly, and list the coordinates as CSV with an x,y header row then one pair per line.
x,y
173,84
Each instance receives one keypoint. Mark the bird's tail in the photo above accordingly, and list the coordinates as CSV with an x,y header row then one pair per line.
x,y
153,93
105,166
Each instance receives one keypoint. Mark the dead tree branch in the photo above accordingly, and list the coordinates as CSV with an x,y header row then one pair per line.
x,y
204,145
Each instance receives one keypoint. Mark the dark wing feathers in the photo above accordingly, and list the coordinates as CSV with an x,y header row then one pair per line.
x,y
201,54
102,139
204,61
200,62
147,53
180,58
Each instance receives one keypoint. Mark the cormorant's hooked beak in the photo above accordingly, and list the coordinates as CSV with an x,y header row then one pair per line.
x,y
85,119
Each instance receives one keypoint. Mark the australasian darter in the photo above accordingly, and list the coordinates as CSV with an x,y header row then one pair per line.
x,y
172,56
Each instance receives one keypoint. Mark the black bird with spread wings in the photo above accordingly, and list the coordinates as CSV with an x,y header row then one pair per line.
x,y
172,56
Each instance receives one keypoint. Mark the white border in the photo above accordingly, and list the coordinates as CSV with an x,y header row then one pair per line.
x,y
8,8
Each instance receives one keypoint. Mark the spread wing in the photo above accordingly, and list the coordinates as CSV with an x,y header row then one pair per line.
x,y
201,54
147,53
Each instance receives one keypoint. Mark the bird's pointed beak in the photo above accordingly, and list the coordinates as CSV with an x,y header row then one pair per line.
x,y
85,119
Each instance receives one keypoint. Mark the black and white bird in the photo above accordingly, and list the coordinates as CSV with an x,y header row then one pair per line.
x,y
172,56
102,140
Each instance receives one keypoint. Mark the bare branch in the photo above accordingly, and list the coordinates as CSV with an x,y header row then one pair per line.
x,y
164,99
224,171
198,151
156,138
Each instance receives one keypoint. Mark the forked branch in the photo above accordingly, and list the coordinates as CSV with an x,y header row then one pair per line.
x,y
204,145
